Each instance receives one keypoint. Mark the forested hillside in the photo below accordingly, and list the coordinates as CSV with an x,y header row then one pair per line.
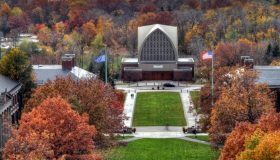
x,y
76,26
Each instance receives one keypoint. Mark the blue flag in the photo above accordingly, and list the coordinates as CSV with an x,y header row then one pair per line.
x,y
100,59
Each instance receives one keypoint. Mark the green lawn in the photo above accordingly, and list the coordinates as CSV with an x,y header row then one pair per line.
x,y
3,50
194,95
117,62
162,149
158,109
200,137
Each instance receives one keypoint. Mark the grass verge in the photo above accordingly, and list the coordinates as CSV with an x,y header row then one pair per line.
x,y
200,137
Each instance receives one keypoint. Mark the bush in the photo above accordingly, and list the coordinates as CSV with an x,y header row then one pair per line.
x,y
122,143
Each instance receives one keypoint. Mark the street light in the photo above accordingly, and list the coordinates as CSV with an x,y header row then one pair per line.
x,y
123,125
195,127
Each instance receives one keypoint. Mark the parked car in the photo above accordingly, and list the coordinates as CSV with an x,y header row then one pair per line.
x,y
168,85
4,46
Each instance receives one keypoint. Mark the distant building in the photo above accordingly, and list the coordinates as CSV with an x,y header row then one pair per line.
x,y
45,72
9,107
157,57
267,74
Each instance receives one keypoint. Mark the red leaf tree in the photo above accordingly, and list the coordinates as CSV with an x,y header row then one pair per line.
x,y
101,102
52,131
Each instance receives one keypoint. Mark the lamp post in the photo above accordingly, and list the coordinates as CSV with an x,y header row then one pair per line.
x,y
123,125
195,127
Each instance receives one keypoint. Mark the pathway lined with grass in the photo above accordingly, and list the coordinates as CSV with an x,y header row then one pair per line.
x,y
159,109
162,149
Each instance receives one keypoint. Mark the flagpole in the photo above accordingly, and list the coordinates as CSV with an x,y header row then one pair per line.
x,y
105,64
212,86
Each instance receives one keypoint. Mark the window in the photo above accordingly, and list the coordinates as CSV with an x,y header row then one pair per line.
x,y
157,47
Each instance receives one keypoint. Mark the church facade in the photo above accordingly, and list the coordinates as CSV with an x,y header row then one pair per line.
x,y
157,57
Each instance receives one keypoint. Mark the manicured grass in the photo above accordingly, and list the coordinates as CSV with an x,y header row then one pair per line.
x,y
3,50
200,137
194,95
158,109
117,62
162,149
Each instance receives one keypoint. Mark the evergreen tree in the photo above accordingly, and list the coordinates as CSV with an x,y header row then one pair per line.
x,y
267,56
102,72
276,51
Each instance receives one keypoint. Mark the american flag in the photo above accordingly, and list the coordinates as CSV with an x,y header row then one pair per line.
x,y
207,55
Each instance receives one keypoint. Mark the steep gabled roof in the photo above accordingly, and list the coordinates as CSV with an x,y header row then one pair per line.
x,y
6,82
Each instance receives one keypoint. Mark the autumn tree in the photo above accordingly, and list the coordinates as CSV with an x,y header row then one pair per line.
x,y
87,95
37,15
164,18
235,141
43,35
52,131
108,5
20,22
16,11
5,10
88,33
62,28
254,141
148,8
228,54
146,19
240,100
76,23
37,27
16,65
77,7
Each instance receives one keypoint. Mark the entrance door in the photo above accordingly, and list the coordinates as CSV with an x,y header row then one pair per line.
x,y
167,76
147,76
157,76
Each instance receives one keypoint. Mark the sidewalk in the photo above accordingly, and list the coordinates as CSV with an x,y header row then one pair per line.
x,y
190,116
129,108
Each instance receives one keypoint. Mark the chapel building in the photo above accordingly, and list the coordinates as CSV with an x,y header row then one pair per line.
x,y
157,57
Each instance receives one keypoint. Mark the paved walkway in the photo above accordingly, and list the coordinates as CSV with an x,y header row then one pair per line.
x,y
130,139
187,103
129,107
195,140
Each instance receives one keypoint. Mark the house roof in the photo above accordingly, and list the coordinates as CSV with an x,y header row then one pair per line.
x,y
45,72
269,74
6,82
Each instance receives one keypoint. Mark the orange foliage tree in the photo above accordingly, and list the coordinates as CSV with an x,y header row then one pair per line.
x,y
240,100
52,131
103,104
228,54
254,141
88,33
5,10
146,19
